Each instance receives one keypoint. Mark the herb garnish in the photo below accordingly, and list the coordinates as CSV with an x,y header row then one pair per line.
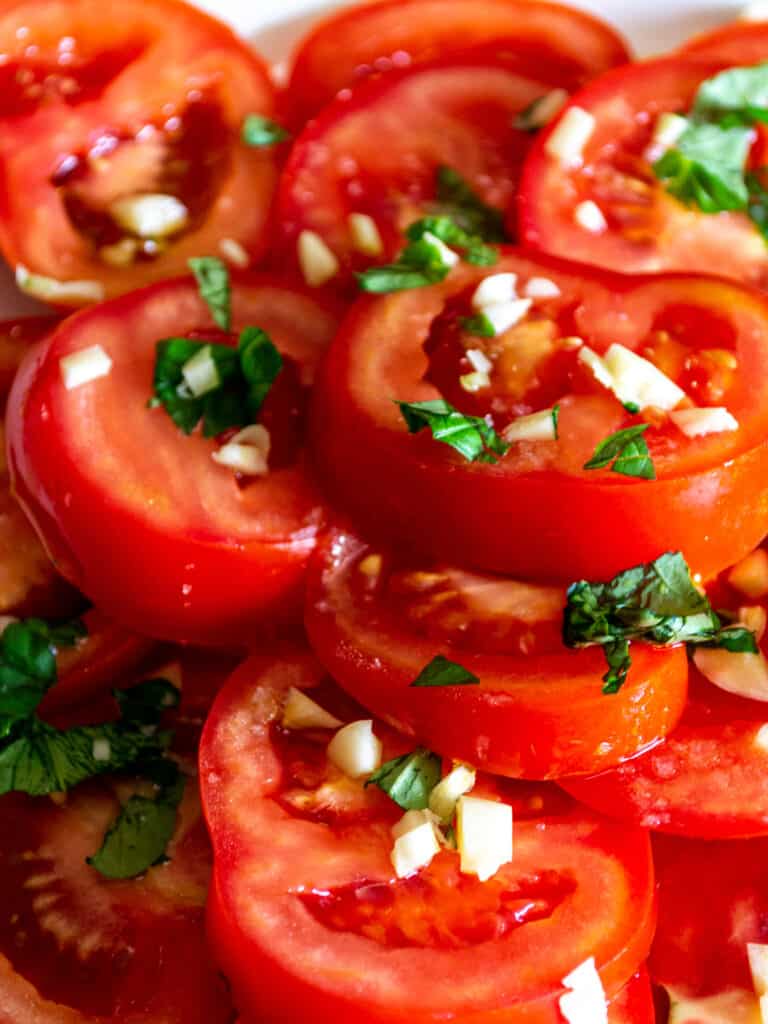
x,y
657,603
470,436
457,199
212,279
441,671
479,325
259,132
627,451
409,780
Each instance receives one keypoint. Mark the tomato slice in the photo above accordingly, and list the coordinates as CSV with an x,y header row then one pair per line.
x,y
538,513
96,112
304,892
383,146
647,230
700,948
368,38
539,711
740,42
76,948
634,1004
193,554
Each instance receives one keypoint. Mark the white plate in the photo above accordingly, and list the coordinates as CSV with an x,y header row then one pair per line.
x,y
273,26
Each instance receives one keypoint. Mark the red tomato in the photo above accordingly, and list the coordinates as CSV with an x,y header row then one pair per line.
x,y
382,147
537,513
647,229
367,38
16,337
539,711
634,1004
97,110
713,900
304,892
76,948
137,514
738,43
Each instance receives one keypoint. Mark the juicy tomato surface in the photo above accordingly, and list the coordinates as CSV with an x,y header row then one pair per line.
x,y
304,891
76,948
539,710
383,145
740,42
647,230
98,112
193,553
373,38
537,513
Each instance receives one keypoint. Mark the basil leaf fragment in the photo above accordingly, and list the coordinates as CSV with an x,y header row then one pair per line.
x,y
706,167
259,132
409,780
734,93
471,436
656,603
626,452
441,671
479,325
467,209
212,279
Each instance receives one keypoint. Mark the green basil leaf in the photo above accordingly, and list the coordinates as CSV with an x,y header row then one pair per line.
x,y
466,208
443,672
212,279
707,167
261,363
736,91
470,436
626,452
479,325
260,132
409,780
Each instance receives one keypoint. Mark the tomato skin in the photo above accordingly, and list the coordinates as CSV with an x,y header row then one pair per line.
x,y
191,578
555,697
544,524
739,43
265,857
634,1004
648,230
350,44
166,53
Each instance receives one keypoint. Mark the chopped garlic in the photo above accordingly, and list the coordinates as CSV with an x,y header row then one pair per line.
x,y
756,11
757,954
541,288
542,110
200,372
504,315
444,797
589,216
760,738
121,254
478,360
734,1006
539,426
495,289
669,128
750,575
247,452
84,366
64,293
102,751
637,381
567,141
595,363
152,215
698,422
355,750
586,1002
234,253
473,382
301,712
416,843
483,835
737,672
318,263
366,237
448,257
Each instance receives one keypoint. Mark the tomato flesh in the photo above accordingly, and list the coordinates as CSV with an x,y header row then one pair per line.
x,y
194,553
538,514
316,907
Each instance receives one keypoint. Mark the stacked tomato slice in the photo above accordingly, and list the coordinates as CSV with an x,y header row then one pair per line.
x,y
428,510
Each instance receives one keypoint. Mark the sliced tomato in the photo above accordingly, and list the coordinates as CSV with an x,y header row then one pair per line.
x,y
76,948
537,513
304,893
539,710
647,230
191,553
97,111
383,145
634,1004
738,43
370,38
16,337
700,949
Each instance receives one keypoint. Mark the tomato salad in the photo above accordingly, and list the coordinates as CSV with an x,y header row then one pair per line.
x,y
383,520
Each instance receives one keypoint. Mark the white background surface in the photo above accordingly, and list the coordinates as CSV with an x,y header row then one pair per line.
x,y
273,26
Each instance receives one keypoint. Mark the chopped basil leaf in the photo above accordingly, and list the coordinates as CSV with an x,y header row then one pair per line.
x,y
470,436
28,651
706,167
556,421
451,234
657,603
758,201
139,836
212,279
478,325
735,93
443,672
628,453
632,408
467,209
408,780
260,132
245,374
